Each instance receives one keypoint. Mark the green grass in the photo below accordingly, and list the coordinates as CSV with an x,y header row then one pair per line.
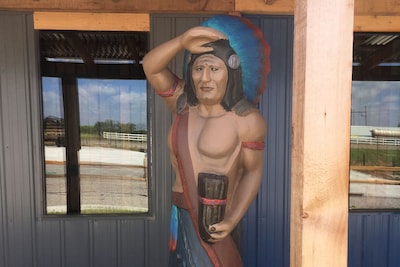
x,y
90,136
374,157
105,211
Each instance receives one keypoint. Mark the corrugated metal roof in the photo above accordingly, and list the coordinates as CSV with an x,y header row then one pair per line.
x,y
90,45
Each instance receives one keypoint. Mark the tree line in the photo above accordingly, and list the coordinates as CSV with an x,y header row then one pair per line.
x,y
110,126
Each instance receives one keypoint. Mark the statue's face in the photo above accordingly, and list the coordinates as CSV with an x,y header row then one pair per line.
x,y
210,78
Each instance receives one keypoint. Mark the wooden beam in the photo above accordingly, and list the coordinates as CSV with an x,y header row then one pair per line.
x,y
362,7
260,6
376,7
377,23
141,22
122,6
91,21
321,132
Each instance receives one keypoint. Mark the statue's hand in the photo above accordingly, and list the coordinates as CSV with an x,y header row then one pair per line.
x,y
194,39
220,230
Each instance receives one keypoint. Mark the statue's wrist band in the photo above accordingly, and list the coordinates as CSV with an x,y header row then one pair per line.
x,y
212,202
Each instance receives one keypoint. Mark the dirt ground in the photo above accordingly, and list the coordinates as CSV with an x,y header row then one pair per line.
x,y
105,187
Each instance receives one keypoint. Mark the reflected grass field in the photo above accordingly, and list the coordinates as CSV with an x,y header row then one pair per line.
x,y
374,157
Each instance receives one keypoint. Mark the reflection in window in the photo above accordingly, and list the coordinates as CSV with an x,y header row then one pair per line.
x,y
375,123
111,154
94,122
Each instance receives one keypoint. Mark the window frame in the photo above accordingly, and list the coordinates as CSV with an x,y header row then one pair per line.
x,y
358,75
40,186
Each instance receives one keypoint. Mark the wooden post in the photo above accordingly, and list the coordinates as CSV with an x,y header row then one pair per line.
x,y
73,143
323,41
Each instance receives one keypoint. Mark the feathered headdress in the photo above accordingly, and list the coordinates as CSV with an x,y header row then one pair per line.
x,y
253,51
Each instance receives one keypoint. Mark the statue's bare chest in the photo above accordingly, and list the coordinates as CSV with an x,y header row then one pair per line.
x,y
213,139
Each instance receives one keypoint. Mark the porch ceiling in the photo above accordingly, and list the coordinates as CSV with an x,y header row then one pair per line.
x,y
376,56
89,51
91,46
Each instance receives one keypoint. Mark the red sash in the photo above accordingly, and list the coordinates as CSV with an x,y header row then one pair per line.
x,y
223,253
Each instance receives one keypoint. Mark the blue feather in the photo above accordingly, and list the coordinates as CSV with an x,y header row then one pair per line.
x,y
252,49
173,228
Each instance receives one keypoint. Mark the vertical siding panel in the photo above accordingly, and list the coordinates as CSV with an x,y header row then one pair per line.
x,y
356,226
131,244
49,243
375,245
78,245
277,109
16,164
105,243
250,236
394,240
3,218
266,225
161,30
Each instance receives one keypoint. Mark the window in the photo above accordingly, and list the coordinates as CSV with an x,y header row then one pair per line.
x,y
94,122
375,122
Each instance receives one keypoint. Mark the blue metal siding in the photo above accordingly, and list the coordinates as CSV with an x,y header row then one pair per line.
x,y
17,209
27,238
374,239
393,252
266,238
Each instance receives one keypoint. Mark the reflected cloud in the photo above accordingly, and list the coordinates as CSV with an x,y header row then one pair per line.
x,y
376,103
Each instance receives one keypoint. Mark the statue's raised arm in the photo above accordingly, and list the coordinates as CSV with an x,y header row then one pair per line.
x,y
155,63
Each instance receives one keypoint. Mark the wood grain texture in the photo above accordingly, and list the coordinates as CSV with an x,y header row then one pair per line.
x,y
91,21
377,23
321,133
261,7
361,7
121,6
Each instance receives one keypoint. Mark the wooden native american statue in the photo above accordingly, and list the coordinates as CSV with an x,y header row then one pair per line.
x,y
217,137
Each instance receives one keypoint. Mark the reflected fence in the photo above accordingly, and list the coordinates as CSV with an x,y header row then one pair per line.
x,y
125,136
367,140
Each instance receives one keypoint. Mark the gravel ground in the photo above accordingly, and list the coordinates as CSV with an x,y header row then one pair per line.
x,y
111,179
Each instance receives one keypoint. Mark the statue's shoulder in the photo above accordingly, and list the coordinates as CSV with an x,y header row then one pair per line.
x,y
252,126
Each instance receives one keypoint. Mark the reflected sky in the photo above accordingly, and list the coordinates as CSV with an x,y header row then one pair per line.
x,y
99,100
376,103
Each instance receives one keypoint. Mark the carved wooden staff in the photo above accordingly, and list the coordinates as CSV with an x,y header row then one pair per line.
x,y
212,189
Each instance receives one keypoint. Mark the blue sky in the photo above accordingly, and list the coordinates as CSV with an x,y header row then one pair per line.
x,y
100,100
125,101
379,100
